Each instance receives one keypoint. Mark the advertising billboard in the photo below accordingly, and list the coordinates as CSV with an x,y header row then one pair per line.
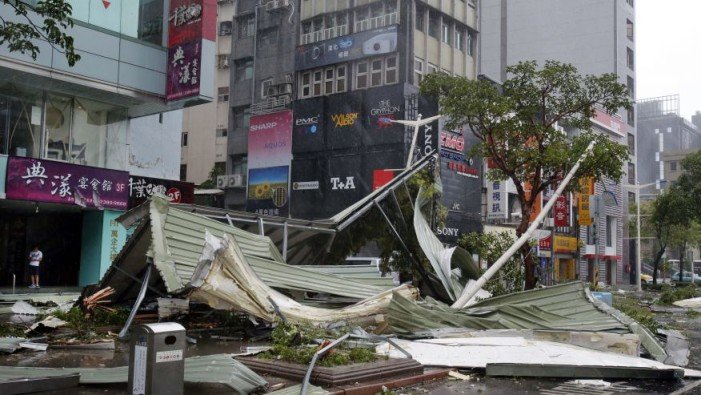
x,y
308,130
191,25
351,47
269,157
58,182
382,106
344,120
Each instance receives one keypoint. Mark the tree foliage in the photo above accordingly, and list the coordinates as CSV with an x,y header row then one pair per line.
x,y
21,33
489,247
211,181
518,124
670,216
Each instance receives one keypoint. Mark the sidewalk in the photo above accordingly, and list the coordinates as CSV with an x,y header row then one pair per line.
x,y
23,289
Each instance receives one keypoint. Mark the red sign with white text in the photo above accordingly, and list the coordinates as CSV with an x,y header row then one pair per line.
x,y
561,212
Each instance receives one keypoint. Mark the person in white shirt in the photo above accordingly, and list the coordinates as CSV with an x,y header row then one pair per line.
x,y
35,257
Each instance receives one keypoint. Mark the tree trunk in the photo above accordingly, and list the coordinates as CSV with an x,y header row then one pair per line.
x,y
525,250
656,263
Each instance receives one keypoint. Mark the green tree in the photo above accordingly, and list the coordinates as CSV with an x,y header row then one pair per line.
x,y
491,246
21,36
670,214
517,126
211,182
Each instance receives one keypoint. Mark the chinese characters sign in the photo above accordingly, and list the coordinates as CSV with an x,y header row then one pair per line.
x,y
190,22
141,188
56,182
497,200
561,212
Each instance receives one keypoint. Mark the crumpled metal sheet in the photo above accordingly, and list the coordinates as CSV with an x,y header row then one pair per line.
x,y
214,369
11,344
453,266
225,280
480,352
561,307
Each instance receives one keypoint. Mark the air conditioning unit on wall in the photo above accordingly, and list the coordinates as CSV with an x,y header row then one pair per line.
x,y
273,5
285,89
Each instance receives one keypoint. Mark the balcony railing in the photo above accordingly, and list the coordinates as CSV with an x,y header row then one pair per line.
x,y
324,34
376,22
270,104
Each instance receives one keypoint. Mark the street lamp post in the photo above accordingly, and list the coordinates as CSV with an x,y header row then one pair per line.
x,y
638,263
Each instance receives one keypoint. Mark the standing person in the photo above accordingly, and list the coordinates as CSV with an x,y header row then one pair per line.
x,y
35,257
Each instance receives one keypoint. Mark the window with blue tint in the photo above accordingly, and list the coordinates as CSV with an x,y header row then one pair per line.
x,y
140,19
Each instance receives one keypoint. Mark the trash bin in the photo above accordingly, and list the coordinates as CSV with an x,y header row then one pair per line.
x,y
156,362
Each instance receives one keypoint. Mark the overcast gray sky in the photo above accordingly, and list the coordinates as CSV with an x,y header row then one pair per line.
x,y
668,46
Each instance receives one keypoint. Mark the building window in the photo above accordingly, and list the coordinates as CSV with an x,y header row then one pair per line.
x,y
418,70
610,231
361,75
433,24
631,144
183,172
183,139
318,76
631,197
266,88
630,30
420,19
458,39
242,116
221,133
630,3
247,26
325,81
631,173
673,165
376,72
432,68
223,61
223,94
244,69
631,116
469,44
341,79
446,33
391,74
631,87
630,58
225,28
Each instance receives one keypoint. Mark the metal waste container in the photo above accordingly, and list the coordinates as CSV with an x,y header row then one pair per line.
x,y
156,362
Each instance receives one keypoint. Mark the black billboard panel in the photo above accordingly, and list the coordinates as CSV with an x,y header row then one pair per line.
x,y
308,126
308,188
343,120
461,176
382,106
346,183
427,140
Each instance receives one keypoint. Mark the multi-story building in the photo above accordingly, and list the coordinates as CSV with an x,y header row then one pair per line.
x,y
596,36
662,131
314,87
81,144
205,127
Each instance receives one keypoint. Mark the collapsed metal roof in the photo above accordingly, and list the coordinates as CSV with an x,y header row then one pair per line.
x,y
173,236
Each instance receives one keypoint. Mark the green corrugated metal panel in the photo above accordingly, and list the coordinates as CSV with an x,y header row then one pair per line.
x,y
183,238
218,368
562,307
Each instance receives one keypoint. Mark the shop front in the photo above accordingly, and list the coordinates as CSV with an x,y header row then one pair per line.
x,y
69,211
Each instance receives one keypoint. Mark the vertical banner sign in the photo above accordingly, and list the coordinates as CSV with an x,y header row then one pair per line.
x,y
561,212
190,23
269,157
497,200
537,205
586,188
